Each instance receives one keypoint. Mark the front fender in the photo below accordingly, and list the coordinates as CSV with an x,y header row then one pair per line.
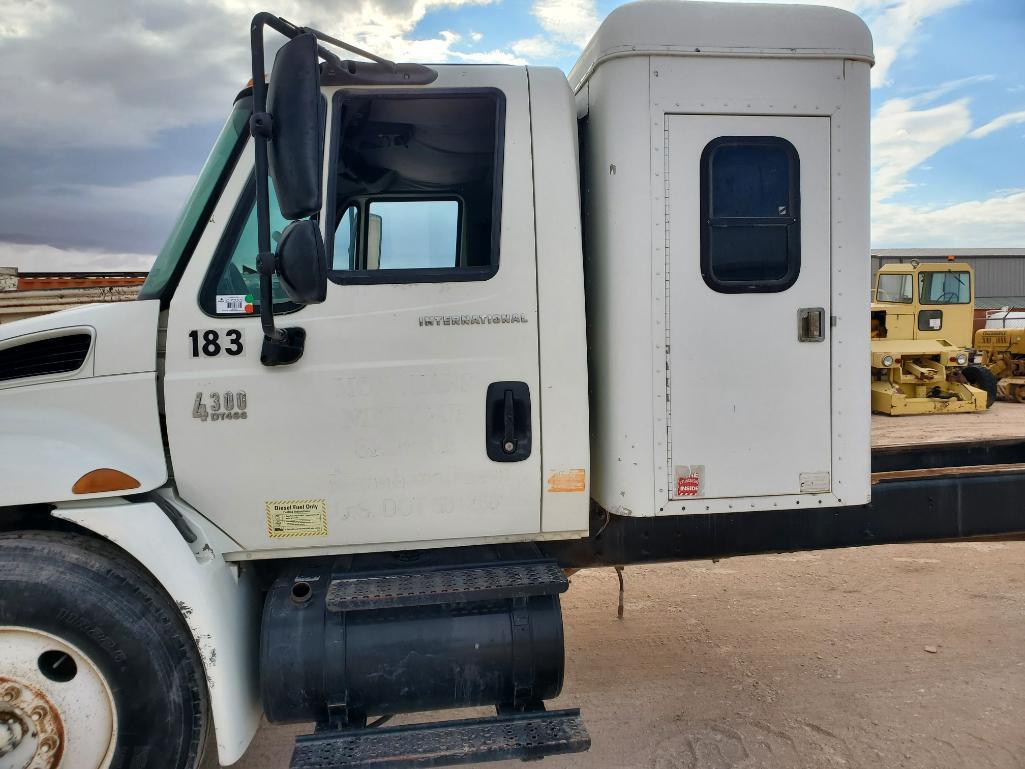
x,y
52,434
221,606
56,427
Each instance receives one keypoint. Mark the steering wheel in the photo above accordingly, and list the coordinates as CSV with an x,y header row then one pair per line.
x,y
945,300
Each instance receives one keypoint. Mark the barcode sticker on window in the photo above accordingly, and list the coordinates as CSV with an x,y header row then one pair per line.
x,y
235,303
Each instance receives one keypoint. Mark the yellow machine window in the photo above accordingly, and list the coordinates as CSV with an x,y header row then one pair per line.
x,y
944,287
894,288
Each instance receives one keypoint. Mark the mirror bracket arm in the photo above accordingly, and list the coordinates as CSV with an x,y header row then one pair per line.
x,y
281,346
288,349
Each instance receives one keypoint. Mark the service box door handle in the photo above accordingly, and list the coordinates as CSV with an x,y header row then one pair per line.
x,y
811,324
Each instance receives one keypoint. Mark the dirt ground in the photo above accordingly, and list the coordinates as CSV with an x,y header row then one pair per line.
x,y
894,656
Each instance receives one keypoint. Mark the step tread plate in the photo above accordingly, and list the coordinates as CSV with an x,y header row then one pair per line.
x,y
446,743
475,583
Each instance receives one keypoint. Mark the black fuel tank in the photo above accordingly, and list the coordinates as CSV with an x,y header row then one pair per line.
x,y
445,636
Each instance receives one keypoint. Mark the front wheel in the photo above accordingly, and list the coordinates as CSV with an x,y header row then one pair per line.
x,y
983,378
97,667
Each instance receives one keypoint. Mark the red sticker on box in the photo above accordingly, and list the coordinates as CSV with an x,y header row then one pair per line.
x,y
688,486
690,480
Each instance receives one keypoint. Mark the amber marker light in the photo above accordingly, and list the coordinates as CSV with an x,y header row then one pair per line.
x,y
104,479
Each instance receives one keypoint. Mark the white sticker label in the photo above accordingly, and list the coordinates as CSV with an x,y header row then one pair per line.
x,y
934,323
812,483
240,304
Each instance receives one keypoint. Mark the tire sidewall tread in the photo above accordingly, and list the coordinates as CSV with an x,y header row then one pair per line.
x,y
88,592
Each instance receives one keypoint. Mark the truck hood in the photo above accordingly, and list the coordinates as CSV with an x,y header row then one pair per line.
x,y
124,334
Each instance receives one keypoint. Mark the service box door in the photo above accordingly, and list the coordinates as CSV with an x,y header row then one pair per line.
x,y
748,236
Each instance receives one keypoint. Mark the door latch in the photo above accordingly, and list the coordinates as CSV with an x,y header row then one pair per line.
x,y
507,421
811,324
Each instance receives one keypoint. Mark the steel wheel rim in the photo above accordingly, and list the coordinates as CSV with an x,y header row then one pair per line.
x,y
56,707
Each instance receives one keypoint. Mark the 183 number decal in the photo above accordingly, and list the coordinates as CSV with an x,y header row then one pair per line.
x,y
210,344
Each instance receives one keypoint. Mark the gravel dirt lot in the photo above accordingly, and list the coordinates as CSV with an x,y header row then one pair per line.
x,y
893,656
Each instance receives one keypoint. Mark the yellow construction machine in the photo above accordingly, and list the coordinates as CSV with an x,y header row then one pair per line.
x,y
1002,352
922,318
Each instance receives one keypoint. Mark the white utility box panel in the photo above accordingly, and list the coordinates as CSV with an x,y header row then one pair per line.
x,y
725,158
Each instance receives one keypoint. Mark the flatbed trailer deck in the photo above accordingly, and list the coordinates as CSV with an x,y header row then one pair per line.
x,y
1004,421
933,477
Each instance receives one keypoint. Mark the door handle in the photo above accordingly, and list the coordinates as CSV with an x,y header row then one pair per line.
x,y
811,324
507,421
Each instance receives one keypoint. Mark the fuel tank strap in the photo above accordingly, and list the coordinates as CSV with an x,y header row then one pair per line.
x,y
441,586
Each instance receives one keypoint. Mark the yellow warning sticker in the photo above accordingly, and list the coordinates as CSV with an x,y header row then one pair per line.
x,y
296,518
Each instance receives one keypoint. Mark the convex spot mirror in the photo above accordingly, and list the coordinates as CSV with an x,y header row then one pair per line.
x,y
295,151
301,262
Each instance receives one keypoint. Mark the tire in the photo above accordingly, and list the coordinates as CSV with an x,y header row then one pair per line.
x,y
982,377
133,663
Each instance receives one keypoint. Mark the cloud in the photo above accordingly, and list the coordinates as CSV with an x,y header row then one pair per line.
x,y
1008,119
568,21
893,26
126,217
39,257
118,74
903,137
943,89
994,221
110,107
535,49
906,132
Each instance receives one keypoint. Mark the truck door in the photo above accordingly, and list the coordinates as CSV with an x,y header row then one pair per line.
x,y
412,417
748,233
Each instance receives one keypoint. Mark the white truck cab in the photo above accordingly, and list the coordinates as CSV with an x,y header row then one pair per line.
x,y
423,338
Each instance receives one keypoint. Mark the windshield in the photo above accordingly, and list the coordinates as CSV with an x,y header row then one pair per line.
x,y
944,288
179,243
894,288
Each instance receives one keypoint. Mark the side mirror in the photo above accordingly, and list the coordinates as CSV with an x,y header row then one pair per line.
x,y
301,262
295,150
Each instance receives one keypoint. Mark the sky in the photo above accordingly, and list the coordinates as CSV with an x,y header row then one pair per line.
x,y
110,107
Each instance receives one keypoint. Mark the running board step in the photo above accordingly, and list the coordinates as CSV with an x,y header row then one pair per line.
x,y
489,582
446,743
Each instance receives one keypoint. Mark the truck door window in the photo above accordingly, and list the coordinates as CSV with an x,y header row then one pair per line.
x,y
894,288
414,234
944,287
419,176
232,284
750,214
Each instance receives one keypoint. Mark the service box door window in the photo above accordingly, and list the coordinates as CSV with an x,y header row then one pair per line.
x,y
750,213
